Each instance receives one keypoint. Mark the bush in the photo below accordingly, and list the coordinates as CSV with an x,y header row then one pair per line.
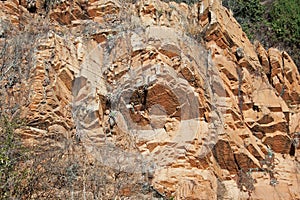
x,y
248,13
285,20
12,153
274,25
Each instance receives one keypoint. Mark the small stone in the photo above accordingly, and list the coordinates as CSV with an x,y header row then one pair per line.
x,y
112,122
111,68
107,112
240,52
168,126
50,35
244,188
2,34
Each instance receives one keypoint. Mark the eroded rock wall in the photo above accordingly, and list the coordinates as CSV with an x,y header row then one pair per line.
x,y
174,91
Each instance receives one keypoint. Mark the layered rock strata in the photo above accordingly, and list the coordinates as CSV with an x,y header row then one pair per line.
x,y
174,90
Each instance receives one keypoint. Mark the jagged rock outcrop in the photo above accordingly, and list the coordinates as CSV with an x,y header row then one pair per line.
x,y
175,92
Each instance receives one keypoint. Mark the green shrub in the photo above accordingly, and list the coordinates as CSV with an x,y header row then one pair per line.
x,y
248,13
285,20
276,24
12,153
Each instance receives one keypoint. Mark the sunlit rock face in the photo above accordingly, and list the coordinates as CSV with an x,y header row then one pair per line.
x,y
172,92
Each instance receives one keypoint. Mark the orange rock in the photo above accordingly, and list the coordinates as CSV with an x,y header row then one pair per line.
x,y
202,115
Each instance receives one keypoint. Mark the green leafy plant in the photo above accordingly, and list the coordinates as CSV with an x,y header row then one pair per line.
x,y
12,153
285,20
248,13
275,24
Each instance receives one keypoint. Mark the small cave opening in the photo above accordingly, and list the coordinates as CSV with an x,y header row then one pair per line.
x,y
209,16
107,102
32,9
31,6
255,108
292,149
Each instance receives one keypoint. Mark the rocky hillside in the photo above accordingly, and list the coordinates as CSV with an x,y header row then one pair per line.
x,y
143,99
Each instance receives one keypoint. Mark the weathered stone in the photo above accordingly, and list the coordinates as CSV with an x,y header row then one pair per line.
x,y
130,75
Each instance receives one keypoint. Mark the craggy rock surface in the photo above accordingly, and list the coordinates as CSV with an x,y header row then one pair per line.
x,y
175,91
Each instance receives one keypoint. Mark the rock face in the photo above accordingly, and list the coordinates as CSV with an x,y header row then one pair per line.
x,y
175,92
